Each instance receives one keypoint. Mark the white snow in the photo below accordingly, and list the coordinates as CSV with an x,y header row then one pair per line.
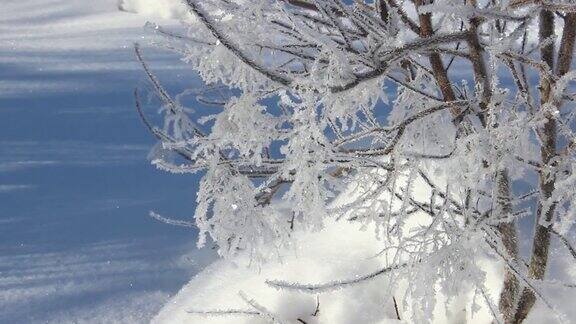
x,y
41,38
174,9
69,48
340,251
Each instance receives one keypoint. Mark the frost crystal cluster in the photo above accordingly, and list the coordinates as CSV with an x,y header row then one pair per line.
x,y
446,126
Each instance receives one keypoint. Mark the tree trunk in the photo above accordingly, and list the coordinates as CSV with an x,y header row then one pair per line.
x,y
541,240
509,237
506,230
440,75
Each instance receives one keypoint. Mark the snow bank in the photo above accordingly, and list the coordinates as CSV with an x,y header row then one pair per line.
x,y
167,9
340,251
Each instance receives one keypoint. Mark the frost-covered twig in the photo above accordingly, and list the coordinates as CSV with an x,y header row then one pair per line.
x,y
175,222
565,241
226,312
332,285
263,311
211,25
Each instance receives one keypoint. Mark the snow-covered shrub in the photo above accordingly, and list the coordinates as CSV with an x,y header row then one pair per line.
x,y
441,129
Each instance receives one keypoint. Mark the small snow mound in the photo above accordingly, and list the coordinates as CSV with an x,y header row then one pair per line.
x,y
166,9
340,251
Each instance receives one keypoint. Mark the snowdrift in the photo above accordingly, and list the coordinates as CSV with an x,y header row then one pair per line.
x,y
338,252
166,9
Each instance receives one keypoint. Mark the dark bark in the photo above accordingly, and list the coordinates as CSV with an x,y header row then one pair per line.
x,y
566,51
440,74
478,65
509,237
506,230
541,240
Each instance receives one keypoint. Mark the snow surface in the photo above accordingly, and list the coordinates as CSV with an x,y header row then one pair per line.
x,y
174,9
340,251
76,244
